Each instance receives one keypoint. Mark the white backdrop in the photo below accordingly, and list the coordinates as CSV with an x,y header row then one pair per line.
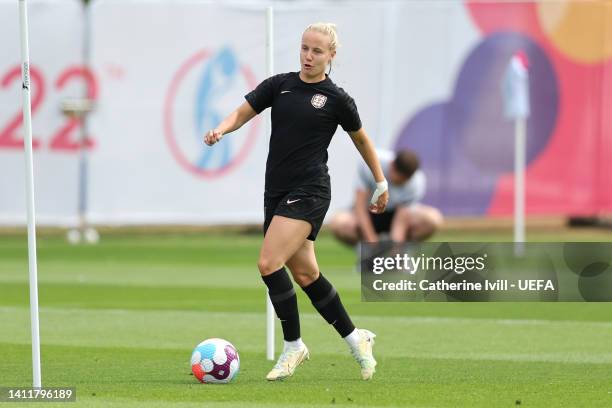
x,y
165,70
55,49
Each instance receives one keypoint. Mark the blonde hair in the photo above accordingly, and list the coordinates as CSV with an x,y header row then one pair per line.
x,y
329,29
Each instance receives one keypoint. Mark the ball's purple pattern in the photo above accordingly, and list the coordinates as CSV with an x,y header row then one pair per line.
x,y
222,371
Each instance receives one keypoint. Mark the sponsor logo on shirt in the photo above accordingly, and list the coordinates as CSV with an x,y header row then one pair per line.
x,y
318,101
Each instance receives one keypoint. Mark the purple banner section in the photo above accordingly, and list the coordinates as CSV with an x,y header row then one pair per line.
x,y
465,143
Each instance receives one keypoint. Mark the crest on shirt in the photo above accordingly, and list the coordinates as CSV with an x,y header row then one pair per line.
x,y
318,101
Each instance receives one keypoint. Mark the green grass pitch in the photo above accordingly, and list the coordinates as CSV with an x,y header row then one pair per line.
x,y
119,321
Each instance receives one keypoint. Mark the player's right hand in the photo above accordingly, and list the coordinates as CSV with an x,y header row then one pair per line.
x,y
212,137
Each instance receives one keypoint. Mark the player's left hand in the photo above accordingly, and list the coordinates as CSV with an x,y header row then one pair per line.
x,y
381,203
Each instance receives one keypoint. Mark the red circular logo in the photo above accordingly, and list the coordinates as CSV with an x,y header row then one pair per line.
x,y
205,89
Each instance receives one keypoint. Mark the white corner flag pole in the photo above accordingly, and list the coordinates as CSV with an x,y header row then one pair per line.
x,y
270,71
520,128
27,127
515,89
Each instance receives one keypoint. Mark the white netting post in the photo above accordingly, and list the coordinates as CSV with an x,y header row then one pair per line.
x,y
27,130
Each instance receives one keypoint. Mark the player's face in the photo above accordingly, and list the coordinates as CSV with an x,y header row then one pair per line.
x,y
315,55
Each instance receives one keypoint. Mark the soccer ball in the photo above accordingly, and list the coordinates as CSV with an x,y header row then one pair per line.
x,y
215,361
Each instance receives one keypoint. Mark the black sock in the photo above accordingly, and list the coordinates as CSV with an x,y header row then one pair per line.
x,y
284,301
327,302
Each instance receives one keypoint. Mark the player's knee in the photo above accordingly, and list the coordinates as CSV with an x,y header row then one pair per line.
x,y
268,265
343,225
428,222
303,273
435,218
305,277
403,214
338,223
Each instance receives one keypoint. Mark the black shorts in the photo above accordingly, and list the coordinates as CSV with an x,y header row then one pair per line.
x,y
382,222
299,205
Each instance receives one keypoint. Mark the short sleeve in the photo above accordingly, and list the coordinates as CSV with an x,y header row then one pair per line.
x,y
414,190
262,97
348,116
421,186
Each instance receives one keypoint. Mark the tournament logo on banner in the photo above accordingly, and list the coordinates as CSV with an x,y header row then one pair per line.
x,y
204,90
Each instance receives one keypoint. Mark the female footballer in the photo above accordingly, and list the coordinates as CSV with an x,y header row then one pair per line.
x,y
307,107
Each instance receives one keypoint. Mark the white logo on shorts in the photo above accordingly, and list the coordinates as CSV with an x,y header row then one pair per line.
x,y
318,101
293,201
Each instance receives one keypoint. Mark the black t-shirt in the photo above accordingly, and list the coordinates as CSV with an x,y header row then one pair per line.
x,y
305,116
